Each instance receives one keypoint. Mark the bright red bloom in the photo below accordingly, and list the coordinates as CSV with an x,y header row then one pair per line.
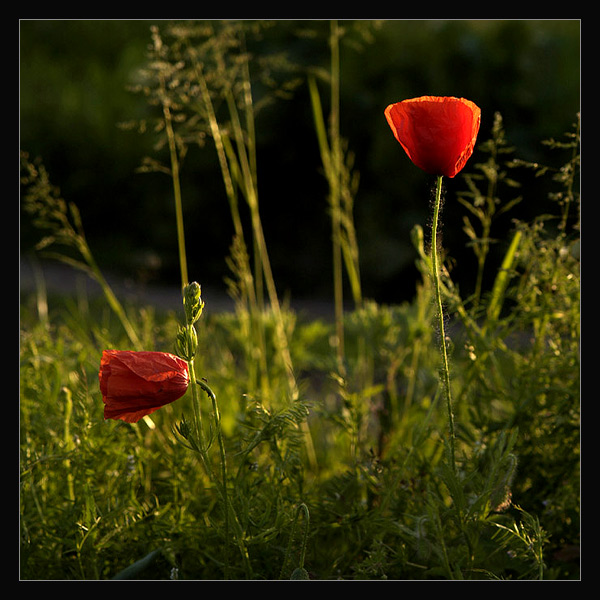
x,y
135,384
437,132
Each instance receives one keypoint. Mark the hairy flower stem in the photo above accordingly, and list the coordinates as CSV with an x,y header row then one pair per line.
x,y
187,342
195,384
217,418
301,508
197,413
445,371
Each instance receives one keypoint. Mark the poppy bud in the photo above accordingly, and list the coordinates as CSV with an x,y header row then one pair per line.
x,y
300,573
135,384
437,133
192,302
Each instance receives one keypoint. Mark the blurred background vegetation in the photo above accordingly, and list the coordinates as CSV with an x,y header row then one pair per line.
x,y
74,78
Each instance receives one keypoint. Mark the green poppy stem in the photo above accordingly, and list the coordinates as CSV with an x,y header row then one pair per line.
x,y
299,572
445,371
217,418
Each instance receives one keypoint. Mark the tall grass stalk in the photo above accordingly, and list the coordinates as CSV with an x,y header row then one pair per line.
x,y
341,184
176,185
239,261
334,182
483,201
62,221
236,150
173,70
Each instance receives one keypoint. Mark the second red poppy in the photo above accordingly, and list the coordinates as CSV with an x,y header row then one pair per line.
x,y
437,133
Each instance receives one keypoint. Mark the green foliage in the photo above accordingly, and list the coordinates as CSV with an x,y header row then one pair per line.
x,y
96,496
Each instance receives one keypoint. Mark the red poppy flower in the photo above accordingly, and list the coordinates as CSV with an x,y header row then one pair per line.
x,y
135,384
438,133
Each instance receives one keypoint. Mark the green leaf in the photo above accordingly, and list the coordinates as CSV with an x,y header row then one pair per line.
x,y
137,568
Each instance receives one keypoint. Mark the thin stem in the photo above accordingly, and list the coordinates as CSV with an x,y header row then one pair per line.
x,y
112,300
176,188
198,418
217,418
187,345
305,536
246,163
570,180
68,441
224,150
301,508
335,190
445,371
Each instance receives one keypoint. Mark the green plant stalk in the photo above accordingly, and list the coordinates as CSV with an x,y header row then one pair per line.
x,y
500,283
569,196
334,182
442,550
200,442
250,157
331,157
229,510
219,140
176,189
422,298
337,179
187,346
198,415
244,167
246,164
481,258
217,419
343,236
301,508
201,445
69,231
445,370
68,441
239,165
224,149
95,272
484,249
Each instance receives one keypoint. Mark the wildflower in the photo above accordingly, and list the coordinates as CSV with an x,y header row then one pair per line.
x,y
438,133
135,384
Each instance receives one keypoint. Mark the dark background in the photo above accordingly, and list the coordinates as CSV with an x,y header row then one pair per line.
x,y
73,95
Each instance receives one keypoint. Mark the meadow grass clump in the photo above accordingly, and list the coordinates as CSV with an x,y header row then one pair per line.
x,y
291,456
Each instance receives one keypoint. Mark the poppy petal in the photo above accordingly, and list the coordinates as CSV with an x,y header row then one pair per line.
x,y
438,133
135,384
